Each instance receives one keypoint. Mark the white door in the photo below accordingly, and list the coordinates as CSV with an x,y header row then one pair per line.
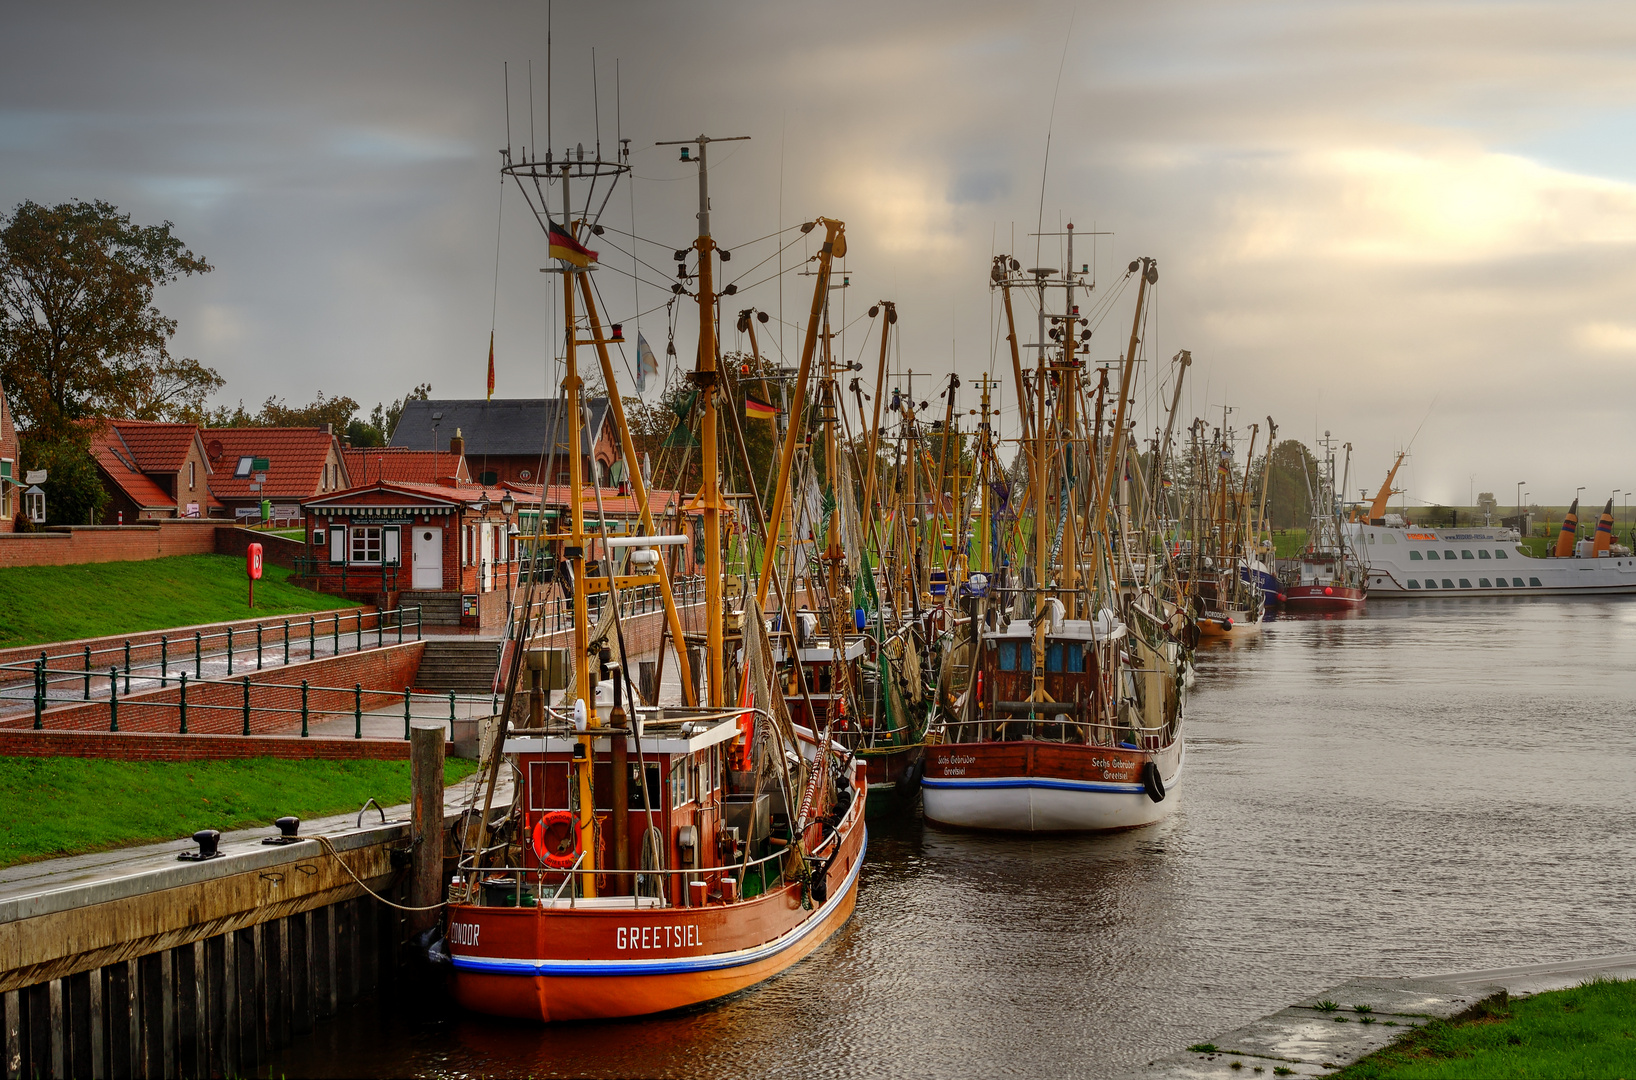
x,y
486,546
428,555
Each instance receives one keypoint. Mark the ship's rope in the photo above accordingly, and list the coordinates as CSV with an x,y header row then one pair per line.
x,y
329,848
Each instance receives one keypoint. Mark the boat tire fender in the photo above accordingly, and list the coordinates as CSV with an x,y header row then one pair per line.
x,y
550,855
1151,782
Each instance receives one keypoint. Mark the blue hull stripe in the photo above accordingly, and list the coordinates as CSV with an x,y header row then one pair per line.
x,y
1033,782
676,966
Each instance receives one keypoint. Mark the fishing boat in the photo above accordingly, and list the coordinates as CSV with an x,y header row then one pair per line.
x,y
1330,577
1072,718
656,855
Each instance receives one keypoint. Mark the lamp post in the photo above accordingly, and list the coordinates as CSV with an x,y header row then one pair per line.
x,y
1521,532
508,506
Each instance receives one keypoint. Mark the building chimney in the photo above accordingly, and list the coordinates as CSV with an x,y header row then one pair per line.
x,y
457,445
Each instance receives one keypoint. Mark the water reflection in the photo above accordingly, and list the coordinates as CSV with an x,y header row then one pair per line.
x,y
1436,785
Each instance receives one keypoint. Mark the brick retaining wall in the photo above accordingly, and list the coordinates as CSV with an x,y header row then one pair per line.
x,y
384,673
158,746
109,651
153,539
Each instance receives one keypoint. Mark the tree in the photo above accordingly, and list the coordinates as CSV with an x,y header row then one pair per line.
x,y
74,494
79,335
1289,485
336,411
383,419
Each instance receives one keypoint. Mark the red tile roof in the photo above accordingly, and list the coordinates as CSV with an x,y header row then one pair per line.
x,y
397,464
156,447
121,467
457,493
295,460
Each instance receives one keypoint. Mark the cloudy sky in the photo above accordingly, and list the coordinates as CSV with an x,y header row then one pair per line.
x,y
1369,218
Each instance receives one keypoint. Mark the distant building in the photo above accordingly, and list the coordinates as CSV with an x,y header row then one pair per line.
x,y
397,464
10,475
301,464
151,470
505,441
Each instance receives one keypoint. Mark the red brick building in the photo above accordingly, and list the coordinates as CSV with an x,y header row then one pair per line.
x,y
10,470
383,541
302,464
151,470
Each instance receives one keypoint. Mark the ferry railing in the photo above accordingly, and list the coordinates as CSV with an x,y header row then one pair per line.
x,y
162,659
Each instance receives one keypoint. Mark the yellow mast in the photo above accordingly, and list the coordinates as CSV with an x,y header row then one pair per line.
x,y
584,684
874,427
1150,274
706,378
834,247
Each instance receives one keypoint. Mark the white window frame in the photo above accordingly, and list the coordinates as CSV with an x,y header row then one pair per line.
x,y
245,467
192,475
365,544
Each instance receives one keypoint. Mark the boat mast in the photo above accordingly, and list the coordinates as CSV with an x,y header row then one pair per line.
x,y
706,378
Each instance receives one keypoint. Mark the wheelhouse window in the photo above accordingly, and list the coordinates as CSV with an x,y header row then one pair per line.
x,y
366,544
681,778
1016,656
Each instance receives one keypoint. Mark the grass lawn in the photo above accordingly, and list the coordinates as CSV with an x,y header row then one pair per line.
x,y
1287,543
60,603
67,806
1588,1031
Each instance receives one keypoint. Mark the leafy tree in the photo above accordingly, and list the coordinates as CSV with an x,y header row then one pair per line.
x,y
383,419
1289,485
337,411
74,494
79,335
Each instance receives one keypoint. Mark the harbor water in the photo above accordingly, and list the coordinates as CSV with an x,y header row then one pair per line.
x,y
1434,785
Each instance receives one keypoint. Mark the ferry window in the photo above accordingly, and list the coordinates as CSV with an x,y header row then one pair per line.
x,y
1371,538
1516,582
1413,584
633,796
1482,553
1534,581
1448,553
1432,555
1465,554
1431,583
1499,554
1483,583
1465,583
1447,584
1387,538
1415,556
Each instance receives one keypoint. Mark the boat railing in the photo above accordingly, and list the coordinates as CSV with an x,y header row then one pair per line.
x,y
552,884
1042,726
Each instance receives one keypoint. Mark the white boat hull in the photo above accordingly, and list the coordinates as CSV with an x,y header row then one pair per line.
x,y
1044,804
1486,562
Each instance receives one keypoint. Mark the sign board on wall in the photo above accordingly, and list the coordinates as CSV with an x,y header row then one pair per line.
x,y
468,605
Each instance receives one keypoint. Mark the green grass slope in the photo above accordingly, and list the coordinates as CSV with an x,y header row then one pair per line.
x,y
67,806
60,603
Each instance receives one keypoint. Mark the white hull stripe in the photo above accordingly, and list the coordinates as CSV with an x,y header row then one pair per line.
x,y
674,966
1034,782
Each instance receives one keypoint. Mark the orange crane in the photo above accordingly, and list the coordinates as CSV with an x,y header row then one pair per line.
x,y
1377,509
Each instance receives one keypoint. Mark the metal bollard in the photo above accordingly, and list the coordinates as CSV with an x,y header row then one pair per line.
x,y
258,646
247,704
286,642
181,704
164,659
406,714
303,708
230,650
357,710
127,665
88,673
198,655
113,699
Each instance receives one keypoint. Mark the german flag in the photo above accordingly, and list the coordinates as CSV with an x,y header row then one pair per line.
x,y
566,248
756,409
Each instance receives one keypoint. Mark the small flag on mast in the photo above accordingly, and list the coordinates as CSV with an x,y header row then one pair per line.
x,y
565,247
491,365
647,365
756,409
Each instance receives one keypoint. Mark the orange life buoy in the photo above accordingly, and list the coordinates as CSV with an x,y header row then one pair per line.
x,y
558,855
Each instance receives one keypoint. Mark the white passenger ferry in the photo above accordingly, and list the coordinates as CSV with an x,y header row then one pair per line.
x,y
1419,561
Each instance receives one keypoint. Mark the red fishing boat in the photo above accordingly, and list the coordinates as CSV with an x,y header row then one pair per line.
x,y
654,855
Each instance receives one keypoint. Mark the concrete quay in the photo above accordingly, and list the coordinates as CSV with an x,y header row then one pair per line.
x,y
1336,1028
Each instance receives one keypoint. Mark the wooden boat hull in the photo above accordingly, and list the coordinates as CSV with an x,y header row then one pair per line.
x,y
1029,786
554,964
1323,598
1232,623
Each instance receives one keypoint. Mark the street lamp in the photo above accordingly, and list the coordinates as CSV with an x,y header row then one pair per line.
x,y
1521,532
508,506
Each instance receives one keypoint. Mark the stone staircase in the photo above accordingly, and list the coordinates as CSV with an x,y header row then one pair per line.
x,y
464,665
437,608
